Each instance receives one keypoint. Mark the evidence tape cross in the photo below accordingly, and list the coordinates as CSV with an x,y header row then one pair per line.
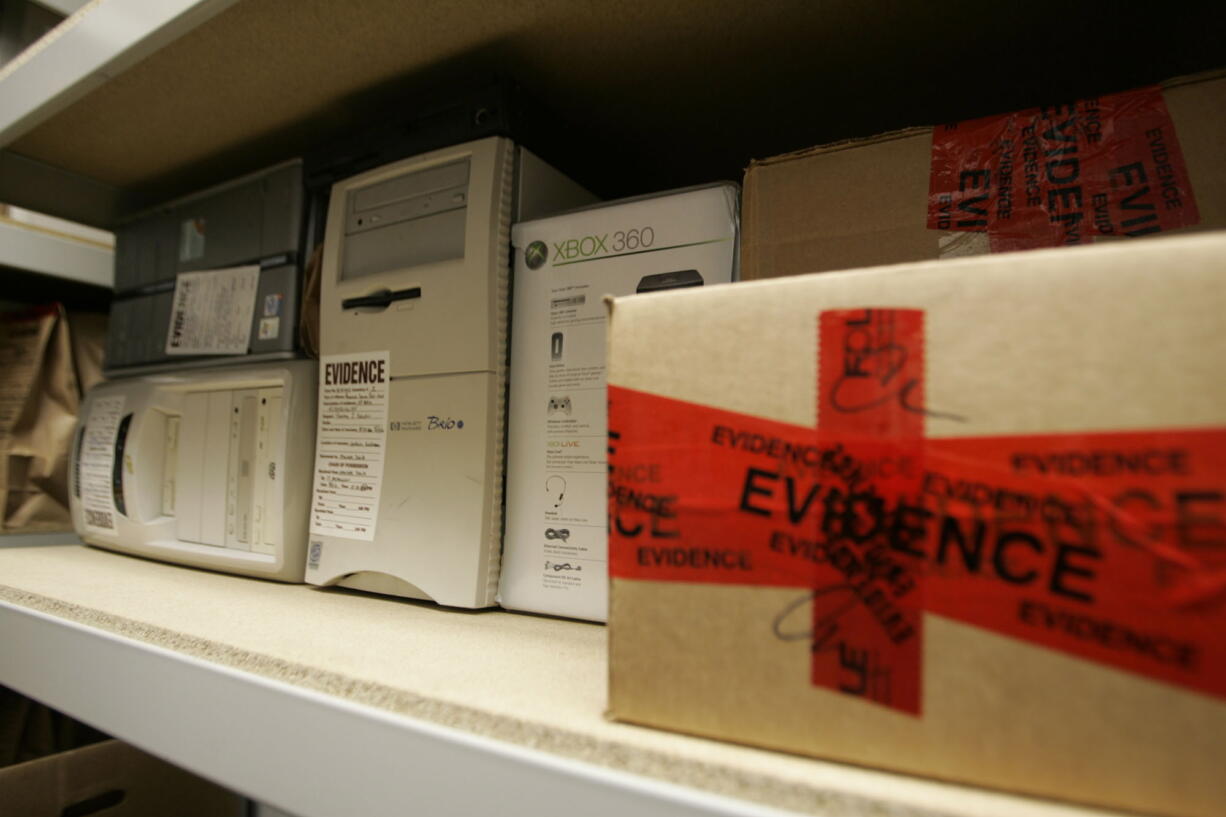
x,y
1108,546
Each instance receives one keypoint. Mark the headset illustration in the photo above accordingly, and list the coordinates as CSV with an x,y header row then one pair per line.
x,y
559,486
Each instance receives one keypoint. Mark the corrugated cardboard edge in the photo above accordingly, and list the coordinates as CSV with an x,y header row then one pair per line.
x,y
1193,79
835,147
610,302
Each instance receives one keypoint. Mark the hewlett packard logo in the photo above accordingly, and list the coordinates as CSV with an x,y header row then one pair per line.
x,y
535,254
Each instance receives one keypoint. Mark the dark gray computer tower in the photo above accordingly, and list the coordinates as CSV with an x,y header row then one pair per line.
x,y
252,221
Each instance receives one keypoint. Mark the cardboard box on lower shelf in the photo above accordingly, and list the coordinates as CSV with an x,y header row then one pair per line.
x,y
112,778
963,519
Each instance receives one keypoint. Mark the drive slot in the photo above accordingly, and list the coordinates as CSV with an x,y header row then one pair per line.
x,y
261,492
241,467
231,539
453,176
381,299
189,471
214,482
273,475
170,464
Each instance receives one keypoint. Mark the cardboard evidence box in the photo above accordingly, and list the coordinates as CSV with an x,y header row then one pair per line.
x,y
1139,163
555,543
962,519
114,779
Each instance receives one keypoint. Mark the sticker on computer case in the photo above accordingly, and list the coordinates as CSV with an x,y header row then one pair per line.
x,y
96,464
351,444
212,312
269,328
191,239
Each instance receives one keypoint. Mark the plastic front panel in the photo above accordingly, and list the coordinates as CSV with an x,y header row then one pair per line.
x,y
210,468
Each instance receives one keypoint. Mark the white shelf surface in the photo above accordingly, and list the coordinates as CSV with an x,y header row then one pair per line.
x,y
100,40
31,248
327,702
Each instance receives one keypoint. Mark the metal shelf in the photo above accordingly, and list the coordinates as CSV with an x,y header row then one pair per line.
x,y
35,250
95,44
328,702
304,751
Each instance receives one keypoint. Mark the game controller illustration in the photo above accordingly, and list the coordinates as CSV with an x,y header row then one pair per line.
x,y
557,533
559,404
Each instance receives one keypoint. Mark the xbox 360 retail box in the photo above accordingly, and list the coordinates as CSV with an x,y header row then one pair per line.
x,y
554,546
964,519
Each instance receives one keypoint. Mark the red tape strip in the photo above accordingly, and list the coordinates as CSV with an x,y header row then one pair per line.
x,y
1064,174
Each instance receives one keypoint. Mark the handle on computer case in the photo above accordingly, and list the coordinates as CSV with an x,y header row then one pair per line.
x,y
382,298
117,461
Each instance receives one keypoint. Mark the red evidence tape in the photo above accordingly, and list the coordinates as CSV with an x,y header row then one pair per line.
x,y
1107,546
868,636
1064,174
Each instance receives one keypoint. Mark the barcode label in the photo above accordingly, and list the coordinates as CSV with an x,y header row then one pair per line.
x,y
95,464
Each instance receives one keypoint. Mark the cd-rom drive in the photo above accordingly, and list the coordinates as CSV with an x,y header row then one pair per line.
x,y
210,468
413,325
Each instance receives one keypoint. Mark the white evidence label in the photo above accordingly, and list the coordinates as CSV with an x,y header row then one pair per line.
x,y
212,312
351,444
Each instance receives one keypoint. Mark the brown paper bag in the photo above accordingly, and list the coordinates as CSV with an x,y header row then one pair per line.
x,y
42,366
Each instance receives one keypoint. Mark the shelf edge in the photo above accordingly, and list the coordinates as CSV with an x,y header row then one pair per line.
x,y
258,736
188,699
34,250
93,45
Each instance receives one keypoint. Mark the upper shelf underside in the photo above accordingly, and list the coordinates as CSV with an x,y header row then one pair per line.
x,y
674,92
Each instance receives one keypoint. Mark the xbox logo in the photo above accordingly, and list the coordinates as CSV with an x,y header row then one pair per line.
x,y
535,254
